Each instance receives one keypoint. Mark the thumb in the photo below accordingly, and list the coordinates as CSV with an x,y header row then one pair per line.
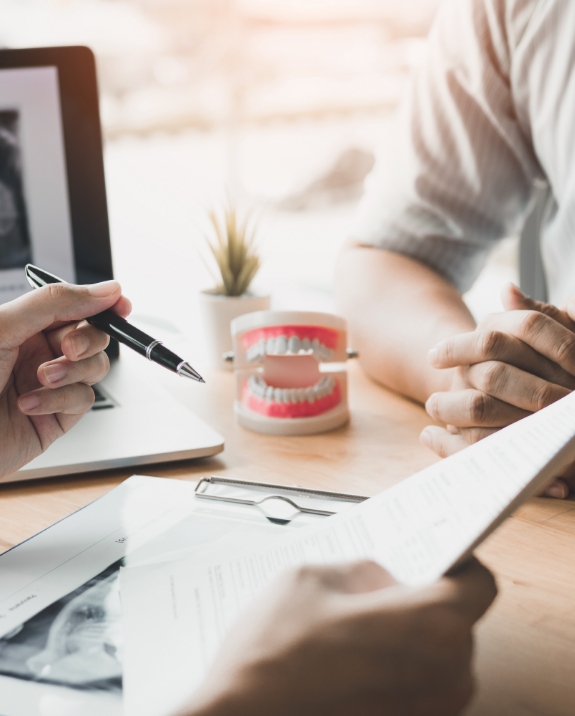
x,y
515,300
39,309
471,588
351,577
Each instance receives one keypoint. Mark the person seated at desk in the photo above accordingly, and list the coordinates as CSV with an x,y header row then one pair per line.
x,y
491,111
323,640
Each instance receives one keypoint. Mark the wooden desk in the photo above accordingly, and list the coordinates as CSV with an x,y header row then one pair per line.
x,y
526,644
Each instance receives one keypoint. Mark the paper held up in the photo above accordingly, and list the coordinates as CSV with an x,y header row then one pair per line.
x,y
176,614
61,639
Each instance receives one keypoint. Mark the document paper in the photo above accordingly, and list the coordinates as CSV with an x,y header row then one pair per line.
x,y
176,615
61,640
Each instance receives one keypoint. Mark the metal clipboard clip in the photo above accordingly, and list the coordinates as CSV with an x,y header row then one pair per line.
x,y
285,501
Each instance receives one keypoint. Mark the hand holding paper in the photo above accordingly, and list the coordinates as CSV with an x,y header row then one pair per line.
x,y
418,530
322,635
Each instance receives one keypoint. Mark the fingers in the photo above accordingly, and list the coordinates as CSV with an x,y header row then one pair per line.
x,y
77,341
357,577
515,300
66,384
474,435
471,590
472,408
441,441
512,385
123,307
38,310
514,337
352,578
471,348
559,490
61,372
75,399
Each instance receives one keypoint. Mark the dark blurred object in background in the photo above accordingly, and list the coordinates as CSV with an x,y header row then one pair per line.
x,y
14,234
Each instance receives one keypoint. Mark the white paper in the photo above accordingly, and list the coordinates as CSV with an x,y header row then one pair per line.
x,y
176,615
60,613
56,580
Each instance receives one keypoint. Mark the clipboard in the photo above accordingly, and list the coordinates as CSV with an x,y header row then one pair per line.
x,y
81,555
279,503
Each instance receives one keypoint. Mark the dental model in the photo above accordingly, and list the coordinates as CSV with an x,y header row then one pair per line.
x,y
289,372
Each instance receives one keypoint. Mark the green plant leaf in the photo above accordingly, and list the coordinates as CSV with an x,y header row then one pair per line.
x,y
234,249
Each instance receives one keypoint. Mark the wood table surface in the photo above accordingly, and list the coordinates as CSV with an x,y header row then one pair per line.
x,y
526,643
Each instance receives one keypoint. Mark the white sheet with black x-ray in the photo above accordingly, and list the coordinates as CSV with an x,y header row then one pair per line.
x,y
60,615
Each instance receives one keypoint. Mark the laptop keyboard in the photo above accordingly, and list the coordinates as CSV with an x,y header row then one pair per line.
x,y
101,400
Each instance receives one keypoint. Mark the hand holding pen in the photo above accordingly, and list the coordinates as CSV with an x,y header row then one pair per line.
x,y
117,327
49,358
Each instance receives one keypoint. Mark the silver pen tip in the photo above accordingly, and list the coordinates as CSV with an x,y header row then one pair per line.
x,y
186,370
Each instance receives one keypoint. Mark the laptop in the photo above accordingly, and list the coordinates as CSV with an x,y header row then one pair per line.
x,y
53,214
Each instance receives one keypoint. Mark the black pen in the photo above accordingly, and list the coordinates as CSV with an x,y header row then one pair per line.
x,y
122,331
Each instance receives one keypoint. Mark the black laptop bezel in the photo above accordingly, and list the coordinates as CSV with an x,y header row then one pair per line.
x,y
79,103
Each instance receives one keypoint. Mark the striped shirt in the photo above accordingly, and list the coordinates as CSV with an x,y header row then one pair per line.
x,y
491,111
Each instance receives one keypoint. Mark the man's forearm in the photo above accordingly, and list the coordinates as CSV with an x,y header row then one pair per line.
x,y
397,309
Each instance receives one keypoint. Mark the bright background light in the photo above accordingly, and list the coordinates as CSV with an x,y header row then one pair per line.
x,y
283,103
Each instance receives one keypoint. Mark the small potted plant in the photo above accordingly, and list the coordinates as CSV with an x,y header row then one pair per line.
x,y
231,242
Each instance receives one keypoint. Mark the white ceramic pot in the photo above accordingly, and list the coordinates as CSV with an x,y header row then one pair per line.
x,y
218,312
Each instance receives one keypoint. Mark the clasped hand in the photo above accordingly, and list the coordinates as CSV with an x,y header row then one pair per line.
x,y
49,358
512,365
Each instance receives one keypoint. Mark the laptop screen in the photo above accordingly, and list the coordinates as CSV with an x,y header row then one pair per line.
x,y
35,222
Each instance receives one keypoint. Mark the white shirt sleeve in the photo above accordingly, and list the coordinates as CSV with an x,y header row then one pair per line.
x,y
461,176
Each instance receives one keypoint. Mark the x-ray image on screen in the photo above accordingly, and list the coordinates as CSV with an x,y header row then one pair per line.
x,y
15,250
35,224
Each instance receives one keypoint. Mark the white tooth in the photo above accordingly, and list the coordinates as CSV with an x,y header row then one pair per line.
x,y
310,395
293,395
269,394
286,395
270,346
278,395
305,344
281,344
300,394
315,344
325,386
261,387
294,344
252,384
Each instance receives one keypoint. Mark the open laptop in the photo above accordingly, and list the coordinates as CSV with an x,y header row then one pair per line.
x,y
53,213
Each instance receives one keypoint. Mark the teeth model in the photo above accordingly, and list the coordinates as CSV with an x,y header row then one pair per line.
x,y
303,349
282,345
291,402
321,389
